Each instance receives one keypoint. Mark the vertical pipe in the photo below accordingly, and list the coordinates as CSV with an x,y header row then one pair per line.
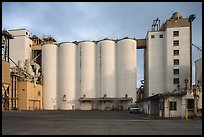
x,y
12,92
15,92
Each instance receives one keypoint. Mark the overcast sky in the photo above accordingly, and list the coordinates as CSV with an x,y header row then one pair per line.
x,y
77,21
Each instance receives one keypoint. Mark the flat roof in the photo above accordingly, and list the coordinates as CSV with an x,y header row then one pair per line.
x,y
106,99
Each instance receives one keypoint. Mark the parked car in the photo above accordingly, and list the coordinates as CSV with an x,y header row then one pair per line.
x,y
134,109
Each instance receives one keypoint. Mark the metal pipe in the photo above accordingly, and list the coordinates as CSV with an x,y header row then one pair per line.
x,y
18,66
12,92
15,91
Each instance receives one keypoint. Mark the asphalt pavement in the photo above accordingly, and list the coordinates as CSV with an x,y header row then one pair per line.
x,y
79,122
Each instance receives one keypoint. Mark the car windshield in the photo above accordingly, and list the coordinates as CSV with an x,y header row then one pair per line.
x,y
134,106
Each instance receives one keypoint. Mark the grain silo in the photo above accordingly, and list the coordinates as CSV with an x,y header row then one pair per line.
x,y
97,70
50,76
198,81
198,71
87,73
107,69
67,75
126,68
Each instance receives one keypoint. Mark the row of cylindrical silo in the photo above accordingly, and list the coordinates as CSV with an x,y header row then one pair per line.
x,y
50,75
88,70
107,68
67,75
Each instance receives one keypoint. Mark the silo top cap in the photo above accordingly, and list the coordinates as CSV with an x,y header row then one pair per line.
x,y
176,15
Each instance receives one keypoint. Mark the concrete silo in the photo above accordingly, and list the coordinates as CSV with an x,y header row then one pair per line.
x,y
198,71
50,76
126,68
198,81
87,72
67,75
97,70
107,69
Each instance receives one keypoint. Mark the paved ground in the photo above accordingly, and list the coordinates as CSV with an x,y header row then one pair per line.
x,y
94,123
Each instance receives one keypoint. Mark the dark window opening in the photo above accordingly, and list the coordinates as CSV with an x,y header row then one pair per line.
x,y
176,61
160,36
176,80
152,36
38,93
172,105
176,33
176,43
176,71
176,52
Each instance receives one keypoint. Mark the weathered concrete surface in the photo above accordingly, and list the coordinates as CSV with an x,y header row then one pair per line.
x,y
94,123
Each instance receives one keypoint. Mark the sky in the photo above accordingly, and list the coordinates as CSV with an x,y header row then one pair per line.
x,y
78,21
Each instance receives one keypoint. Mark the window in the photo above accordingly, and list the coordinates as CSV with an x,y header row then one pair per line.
x,y
176,61
176,52
176,80
39,93
176,33
176,71
176,43
160,36
172,105
152,36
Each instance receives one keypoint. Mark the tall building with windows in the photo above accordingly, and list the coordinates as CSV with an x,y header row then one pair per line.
x,y
168,56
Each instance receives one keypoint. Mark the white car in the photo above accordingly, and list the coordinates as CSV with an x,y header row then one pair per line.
x,y
134,110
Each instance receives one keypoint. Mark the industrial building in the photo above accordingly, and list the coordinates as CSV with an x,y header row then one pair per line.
x,y
167,90
22,79
89,75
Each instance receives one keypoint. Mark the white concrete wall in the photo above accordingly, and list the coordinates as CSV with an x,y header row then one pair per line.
x,y
21,41
173,113
108,69
78,76
97,70
159,60
50,76
145,106
126,68
87,71
184,57
86,106
67,74
155,60
183,106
